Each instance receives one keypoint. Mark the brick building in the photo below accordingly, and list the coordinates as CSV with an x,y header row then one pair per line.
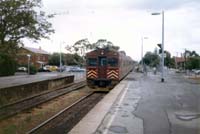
x,y
38,57
180,62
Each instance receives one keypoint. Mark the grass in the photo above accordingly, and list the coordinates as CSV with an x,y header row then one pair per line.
x,y
28,119
11,129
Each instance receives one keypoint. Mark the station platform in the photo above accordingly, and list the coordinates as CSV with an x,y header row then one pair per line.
x,y
16,80
142,104
114,114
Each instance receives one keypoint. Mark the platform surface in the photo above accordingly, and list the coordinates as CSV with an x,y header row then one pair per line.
x,y
141,104
10,81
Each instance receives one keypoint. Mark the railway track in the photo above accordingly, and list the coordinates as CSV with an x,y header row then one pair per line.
x,y
33,101
63,121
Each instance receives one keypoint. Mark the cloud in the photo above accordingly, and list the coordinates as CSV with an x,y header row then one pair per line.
x,y
132,4
124,22
159,4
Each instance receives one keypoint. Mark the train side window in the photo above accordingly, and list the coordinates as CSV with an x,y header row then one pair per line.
x,y
113,62
92,62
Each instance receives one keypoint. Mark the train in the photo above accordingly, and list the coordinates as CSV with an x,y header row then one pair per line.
x,y
105,67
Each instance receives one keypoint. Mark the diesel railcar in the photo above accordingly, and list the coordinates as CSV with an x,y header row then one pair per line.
x,y
106,67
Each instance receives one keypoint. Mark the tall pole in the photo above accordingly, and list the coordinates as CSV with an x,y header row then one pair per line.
x,y
162,77
142,43
60,59
28,65
162,45
142,54
28,55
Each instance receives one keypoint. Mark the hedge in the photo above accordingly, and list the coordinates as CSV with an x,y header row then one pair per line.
x,y
7,65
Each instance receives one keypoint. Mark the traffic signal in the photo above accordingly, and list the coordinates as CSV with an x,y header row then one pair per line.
x,y
160,46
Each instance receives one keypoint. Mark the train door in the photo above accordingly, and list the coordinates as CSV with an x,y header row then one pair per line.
x,y
102,67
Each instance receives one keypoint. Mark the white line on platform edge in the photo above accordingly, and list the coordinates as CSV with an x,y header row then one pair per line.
x,y
114,115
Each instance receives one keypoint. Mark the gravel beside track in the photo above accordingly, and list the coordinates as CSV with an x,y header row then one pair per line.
x,y
64,121
17,107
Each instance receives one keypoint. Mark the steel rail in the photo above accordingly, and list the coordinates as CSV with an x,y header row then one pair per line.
x,y
59,113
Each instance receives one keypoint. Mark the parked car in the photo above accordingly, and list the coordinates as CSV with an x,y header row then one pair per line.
x,y
76,69
22,69
61,69
49,68
43,70
197,72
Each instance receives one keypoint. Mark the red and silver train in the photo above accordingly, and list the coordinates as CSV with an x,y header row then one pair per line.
x,y
106,67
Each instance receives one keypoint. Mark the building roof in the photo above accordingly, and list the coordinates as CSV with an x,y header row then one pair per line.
x,y
36,50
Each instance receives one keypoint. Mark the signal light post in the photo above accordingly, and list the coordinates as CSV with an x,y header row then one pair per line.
x,y
162,45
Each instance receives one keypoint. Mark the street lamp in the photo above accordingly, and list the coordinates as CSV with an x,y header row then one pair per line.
x,y
29,56
142,40
61,56
162,45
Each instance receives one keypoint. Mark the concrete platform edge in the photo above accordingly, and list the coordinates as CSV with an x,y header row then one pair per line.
x,y
90,123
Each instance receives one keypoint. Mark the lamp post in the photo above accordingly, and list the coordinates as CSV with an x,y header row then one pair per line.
x,y
142,40
29,56
61,56
162,45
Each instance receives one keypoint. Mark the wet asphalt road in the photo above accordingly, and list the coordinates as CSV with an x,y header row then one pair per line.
x,y
172,107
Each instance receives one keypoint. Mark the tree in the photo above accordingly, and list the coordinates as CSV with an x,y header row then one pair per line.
x,y
194,54
192,59
19,20
54,59
103,43
151,59
7,65
82,46
193,63
169,61
188,53
73,59
67,59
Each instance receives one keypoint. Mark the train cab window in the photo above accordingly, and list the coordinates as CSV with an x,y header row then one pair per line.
x,y
102,61
92,62
113,62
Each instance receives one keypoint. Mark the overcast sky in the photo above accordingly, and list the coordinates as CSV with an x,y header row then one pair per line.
x,y
124,22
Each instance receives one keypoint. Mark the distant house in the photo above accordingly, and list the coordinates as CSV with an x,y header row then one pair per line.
x,y
38,57
179,62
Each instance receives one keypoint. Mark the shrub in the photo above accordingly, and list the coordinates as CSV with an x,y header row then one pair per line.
x,y
7,65
33,69
193,63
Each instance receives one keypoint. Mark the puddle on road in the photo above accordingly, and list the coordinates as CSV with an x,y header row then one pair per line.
x,y
118,129
187,117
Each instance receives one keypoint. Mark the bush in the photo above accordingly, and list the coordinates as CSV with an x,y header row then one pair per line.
x,y
33,69
193,63
7,65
